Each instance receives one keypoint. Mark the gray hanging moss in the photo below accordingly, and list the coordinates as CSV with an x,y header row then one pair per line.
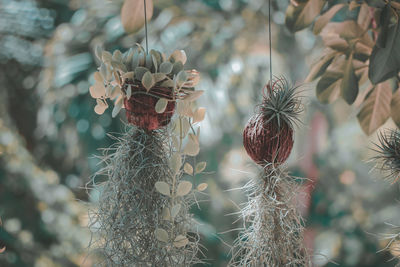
x,y
273,228
130,210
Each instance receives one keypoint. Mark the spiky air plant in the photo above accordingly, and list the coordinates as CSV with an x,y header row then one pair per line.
x,y
142,217
273,228
388,154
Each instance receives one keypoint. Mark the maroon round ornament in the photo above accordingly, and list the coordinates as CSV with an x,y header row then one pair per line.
x,y
140,107
268,135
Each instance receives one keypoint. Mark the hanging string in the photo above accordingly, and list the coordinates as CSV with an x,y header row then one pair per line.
x,y
145,27
270,45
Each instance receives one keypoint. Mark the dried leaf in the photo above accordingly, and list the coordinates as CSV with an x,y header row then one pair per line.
x,y
320,67
321,22
178,55
128,75
200,166
99,109
376,108
183,108
106,57
192,96
202,187
97,90
148,81
161,105
184,188
163,188
300,16
192,147
132,14
395,107
180,241
161,235
188,168
199,115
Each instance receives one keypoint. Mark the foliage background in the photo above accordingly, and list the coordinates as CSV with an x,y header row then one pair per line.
x,y
49,132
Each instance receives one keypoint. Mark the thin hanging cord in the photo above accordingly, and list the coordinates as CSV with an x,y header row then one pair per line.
x,y
145,27
270,44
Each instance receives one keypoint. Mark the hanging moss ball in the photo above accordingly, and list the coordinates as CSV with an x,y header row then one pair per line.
x,y
268,135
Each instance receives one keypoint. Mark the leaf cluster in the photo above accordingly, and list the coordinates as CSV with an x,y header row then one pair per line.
x,y
362,40
119,72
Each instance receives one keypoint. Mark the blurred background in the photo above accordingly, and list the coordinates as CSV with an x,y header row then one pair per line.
x,y
49,133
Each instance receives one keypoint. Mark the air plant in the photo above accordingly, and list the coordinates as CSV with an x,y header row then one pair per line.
x,y
268,135
388,154
273,228
142,217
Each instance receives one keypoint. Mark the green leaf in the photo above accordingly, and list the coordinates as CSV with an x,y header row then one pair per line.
x,y
384,26
139,72
395,107
149,61
166,67
385,61
328,87
148,80
181,78
325,18
301,16
159,77
376,108
161,235
349,85
177,67
163,188
161,105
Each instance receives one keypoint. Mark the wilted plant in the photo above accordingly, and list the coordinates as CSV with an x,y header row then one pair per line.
x,y
143,214
273,228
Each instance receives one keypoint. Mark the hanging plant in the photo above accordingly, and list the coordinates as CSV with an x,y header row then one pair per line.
x,y
273,227
147,85
143,216
268,135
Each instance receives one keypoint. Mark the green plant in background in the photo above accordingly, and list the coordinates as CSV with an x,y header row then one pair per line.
x,y
361,58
